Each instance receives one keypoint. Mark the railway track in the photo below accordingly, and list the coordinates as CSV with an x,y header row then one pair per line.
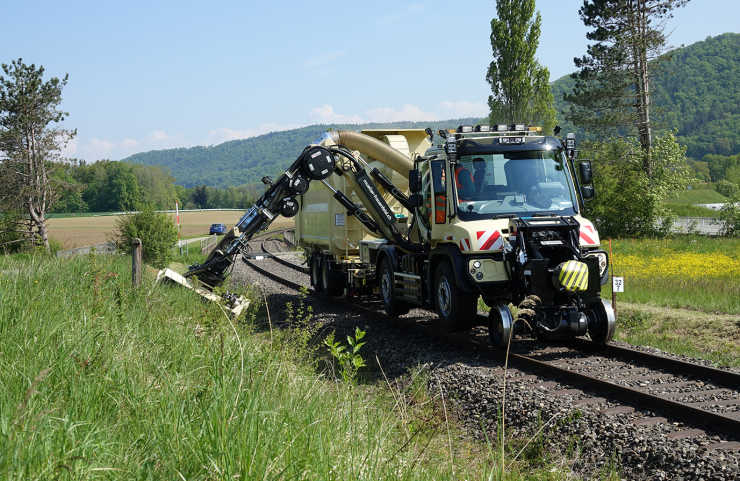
x,y
700,396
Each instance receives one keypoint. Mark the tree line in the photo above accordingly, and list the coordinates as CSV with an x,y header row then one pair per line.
x,y
111,186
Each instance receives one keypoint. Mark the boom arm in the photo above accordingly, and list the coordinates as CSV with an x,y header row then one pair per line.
x,y
314,163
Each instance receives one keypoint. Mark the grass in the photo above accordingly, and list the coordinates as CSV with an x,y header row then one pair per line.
x,y
100,380
684,204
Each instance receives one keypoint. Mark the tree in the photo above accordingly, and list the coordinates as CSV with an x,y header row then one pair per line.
x,y
629,202
612,92
29,146
520,85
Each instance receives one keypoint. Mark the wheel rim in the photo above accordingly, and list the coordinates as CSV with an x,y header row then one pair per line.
x,y
602,322
325,276
314,271
444,297
499,326
385,286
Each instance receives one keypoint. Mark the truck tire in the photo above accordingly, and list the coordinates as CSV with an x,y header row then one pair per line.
x,y
330,287
316,272
393,307
457,310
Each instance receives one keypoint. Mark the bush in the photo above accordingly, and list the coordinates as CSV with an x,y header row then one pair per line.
x,y
728,189
156,230
729,215
629,201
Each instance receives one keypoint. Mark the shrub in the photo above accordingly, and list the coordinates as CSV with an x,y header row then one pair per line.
x,y
729,215
156,230
728,189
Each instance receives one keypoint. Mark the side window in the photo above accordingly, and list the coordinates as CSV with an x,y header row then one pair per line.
x,y
439,191
426,190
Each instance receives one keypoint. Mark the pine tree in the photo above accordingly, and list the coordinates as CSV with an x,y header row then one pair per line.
x,y
612,92
520,85
29,146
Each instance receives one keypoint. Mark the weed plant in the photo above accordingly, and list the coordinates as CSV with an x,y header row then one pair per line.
x,y
99,380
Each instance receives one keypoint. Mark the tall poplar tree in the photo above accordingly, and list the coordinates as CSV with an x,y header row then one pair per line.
x,y
613,89
30,143
520,85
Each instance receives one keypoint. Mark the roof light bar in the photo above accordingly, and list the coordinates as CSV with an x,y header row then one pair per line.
x,y
482,128
464,129
518,127
501,128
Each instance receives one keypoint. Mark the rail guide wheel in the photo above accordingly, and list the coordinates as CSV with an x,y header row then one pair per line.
x,y
602,322
500,326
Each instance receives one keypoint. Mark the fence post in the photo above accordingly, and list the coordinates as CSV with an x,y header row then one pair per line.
x,y
136,262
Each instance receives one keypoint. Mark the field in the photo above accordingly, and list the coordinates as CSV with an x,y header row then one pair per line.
x,y
681,295
82,231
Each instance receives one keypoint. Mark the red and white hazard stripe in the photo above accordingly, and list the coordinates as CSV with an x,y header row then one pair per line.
x,y
490,240
588,235
465,245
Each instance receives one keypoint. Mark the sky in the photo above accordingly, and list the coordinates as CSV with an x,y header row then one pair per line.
x,y
150,75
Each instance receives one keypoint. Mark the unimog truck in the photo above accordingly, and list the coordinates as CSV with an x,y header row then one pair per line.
x,y
489,213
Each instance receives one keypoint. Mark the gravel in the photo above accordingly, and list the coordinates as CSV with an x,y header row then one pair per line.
x,y
580,437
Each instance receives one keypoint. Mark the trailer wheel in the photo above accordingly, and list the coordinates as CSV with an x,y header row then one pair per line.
x,y
315,272
457,310
393,307
601,322
331,287
500,324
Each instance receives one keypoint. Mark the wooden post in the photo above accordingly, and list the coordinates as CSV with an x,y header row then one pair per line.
x,y
611,265
136,262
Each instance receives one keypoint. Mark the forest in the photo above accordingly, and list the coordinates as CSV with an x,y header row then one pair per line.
x,y
239,162
696,95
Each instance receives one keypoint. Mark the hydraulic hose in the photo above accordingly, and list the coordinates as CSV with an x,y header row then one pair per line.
x,y
375,149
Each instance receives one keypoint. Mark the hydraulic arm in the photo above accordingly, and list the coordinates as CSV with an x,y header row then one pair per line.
x,y
316,163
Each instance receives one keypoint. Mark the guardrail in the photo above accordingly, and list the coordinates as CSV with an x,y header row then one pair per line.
x,y
698,225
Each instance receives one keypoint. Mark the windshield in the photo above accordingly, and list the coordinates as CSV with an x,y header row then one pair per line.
x,y
521,183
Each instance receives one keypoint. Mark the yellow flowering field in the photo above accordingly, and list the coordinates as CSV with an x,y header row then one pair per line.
x,y
694,272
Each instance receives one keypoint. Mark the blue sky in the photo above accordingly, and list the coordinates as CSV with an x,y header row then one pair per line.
x,y
149,75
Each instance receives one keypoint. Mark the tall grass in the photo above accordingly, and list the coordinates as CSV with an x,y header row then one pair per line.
x,y
99,380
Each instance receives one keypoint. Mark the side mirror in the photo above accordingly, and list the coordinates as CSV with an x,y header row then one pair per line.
x,y
587,191
414,181
586,174
416,201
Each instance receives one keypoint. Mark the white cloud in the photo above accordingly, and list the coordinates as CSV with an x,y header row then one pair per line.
x,y
326,115
224,134
71,148
157,135
464,108
322,59
408,112
98,148
410,10
128,144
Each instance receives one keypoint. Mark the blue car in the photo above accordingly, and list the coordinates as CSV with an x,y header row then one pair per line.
x,y
218,229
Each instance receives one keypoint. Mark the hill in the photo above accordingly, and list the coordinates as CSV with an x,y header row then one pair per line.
x,y
698,95
245,161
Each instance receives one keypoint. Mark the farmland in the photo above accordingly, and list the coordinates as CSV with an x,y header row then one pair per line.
x,y
81,231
